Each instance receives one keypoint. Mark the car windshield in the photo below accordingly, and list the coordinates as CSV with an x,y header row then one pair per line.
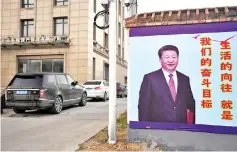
x,y
92,83
32,81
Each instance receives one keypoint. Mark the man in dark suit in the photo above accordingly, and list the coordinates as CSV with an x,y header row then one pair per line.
x,y
165,95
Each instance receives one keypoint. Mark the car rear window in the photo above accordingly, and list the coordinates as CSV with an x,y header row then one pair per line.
x,y
92,83
27,81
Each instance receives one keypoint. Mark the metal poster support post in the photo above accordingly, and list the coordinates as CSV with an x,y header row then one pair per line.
x,y
110,14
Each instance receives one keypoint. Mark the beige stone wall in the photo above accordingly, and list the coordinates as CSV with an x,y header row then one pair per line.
x,y
78,57
43,17
90,37
121,73
10,15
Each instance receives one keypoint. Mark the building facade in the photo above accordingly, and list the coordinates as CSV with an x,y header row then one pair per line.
x,y
58,36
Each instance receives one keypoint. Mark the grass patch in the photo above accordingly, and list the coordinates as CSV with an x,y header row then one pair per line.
x,y
122,121
100,140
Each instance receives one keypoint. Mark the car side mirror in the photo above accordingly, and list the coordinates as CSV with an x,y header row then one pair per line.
x,y
74,83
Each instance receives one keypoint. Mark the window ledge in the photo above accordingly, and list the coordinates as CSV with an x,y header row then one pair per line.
x,y
27,8
60,6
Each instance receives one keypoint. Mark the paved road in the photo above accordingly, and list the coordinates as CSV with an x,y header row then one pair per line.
x,y
40,131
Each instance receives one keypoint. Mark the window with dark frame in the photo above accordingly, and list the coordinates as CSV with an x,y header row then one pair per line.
x,y
120,5
27,28
106,40
47,65
61,2
123,35
27,3
125,80
94,32
106,71
123,13
61,26
119,30
40,65
93,69
119,50
123,53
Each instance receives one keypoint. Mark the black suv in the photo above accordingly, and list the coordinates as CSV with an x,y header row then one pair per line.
x,y
51,91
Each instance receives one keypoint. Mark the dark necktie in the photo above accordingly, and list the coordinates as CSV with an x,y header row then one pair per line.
x,y
172,86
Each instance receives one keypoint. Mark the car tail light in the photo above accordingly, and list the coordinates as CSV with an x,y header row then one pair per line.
x,y
9,95
42,93
98,88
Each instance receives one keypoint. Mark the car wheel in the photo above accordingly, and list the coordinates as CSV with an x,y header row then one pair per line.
x,y
83,100
17,110
57,106
105,97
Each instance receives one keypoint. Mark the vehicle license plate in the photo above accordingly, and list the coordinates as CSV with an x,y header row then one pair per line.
x,y
21,92
89,88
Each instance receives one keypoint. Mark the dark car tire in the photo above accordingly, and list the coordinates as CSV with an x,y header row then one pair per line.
x,y
105,96
83,100
17,110
122,94
57,105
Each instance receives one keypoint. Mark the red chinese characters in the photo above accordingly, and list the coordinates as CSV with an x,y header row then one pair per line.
x,y
226,79
206,71
227,115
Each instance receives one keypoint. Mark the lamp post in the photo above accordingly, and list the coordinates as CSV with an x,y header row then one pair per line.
x,y
113,41
111,12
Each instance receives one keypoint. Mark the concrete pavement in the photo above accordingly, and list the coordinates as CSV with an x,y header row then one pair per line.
x,y
40,131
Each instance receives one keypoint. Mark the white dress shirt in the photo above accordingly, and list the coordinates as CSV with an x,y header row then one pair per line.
x,y
166,74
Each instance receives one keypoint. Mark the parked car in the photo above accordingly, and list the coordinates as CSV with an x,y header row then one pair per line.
x,y
97,89
121,90
51,91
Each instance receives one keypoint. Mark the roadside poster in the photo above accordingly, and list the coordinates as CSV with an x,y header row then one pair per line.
x,y
184,77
